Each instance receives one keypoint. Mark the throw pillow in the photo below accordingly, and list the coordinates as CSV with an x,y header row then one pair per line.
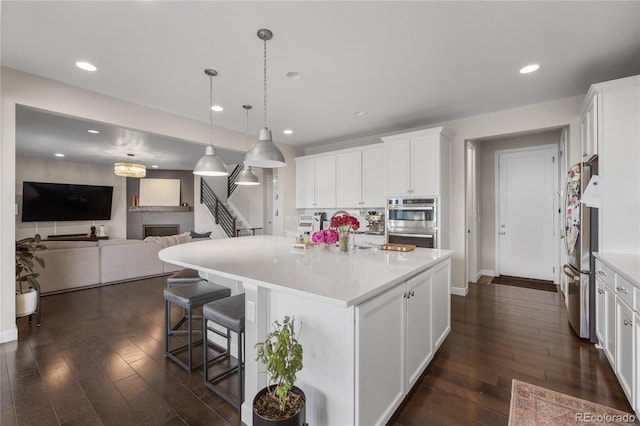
x,y
198,235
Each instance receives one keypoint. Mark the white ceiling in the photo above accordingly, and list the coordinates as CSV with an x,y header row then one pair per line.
x,y
406,64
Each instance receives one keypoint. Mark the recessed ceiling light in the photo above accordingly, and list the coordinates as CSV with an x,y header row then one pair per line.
x,y
155,166
217,108
529,68
57,154
287,131
294,75
86,66
93,131
359,113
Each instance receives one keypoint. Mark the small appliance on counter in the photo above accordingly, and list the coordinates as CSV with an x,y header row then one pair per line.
x,y
310,223
376,223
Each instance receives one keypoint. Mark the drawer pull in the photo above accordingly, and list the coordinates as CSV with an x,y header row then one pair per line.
x,y
601,291
603,273
622,290
628,322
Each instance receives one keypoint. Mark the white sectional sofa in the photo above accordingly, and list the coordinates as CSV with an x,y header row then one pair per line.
x,y
71,265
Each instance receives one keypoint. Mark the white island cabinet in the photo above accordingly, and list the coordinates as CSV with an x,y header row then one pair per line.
x,y
355,311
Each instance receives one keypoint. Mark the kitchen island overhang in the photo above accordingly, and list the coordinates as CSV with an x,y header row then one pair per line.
x,y
324,292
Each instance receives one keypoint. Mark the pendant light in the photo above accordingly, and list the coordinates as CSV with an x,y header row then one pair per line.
x,y
264,153
130,169
247,176
210,164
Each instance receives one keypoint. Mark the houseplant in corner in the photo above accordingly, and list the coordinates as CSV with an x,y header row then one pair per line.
x,y
281,402
27,287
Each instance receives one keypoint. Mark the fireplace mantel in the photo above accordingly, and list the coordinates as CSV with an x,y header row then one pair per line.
x,y
160,209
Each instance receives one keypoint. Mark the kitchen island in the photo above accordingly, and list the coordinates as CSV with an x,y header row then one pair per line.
x,y
371,319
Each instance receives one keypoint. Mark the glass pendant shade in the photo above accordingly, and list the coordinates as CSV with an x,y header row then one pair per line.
x,y
133,170
264,154
210,164
247,177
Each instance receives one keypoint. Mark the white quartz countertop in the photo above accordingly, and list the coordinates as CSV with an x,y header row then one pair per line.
x,y
336,278
627,265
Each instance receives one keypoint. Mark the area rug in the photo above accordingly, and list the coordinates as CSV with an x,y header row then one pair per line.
x,y
525,282
532,406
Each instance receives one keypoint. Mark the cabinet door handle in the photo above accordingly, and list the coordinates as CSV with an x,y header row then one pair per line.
x,y
412,293
628,322
601,291
603,273
622,290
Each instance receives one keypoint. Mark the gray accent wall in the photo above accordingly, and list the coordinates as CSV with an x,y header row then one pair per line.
x,y
136,219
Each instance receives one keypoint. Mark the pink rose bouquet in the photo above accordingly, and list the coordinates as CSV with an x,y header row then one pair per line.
x,y
325,236
345,223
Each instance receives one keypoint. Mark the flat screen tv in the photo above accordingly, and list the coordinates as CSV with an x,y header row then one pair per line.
x,y
53,202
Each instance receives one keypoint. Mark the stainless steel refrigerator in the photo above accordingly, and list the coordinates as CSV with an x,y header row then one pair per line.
x,y
581,240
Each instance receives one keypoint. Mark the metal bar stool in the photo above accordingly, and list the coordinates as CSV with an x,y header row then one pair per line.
x,y
228,313
189,297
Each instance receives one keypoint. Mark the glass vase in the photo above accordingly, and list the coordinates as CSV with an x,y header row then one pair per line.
x,y
343,242
326,247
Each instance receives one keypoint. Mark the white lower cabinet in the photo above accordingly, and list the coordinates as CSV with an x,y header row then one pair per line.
x,y
600,317
618,319
610,324
368,239
419,339
397,334
441,307
636,353
624,347
380,349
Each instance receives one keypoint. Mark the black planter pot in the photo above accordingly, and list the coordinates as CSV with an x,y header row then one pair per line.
x,y
298,419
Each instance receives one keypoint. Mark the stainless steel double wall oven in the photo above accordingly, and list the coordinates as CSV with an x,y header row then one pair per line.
x,y
413,221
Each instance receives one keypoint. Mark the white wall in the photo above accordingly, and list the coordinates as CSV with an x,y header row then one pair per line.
x,y
487,204
19,88
54,171
547,115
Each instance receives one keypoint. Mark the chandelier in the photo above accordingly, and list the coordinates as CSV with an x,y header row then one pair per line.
x,y
129,169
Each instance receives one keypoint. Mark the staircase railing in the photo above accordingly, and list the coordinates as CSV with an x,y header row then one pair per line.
x,y
231,180
221,214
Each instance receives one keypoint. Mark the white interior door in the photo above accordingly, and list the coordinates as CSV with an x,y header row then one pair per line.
x,y
525,223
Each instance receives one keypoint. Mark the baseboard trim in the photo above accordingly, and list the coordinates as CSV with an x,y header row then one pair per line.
x,y
460,291
488,273
9,335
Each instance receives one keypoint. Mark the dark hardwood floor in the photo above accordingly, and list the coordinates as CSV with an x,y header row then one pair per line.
x,y
98,359
500,333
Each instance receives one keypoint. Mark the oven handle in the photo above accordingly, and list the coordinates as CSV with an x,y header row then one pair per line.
x,y
396,234
411,208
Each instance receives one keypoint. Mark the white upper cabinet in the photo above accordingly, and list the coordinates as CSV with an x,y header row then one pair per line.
x,y
373,177
589,129
316,182
351,178
614,108
416,163
398,167
349,174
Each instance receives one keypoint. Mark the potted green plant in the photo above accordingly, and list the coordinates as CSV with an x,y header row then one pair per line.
x,y
281,402
27,286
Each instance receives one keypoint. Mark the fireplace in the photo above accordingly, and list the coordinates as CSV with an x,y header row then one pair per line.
x,y
160,230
